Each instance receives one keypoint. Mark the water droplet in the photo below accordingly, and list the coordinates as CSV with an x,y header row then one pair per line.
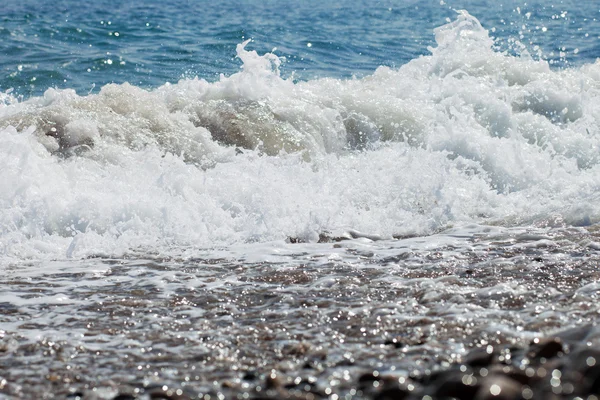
x,y
495,390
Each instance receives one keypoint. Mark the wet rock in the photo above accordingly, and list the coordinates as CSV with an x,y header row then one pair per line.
x,y
372,383
592,379
514,373
548,369
273,381
392,393
584,357
250,376
161,396
456,384
439,375
481,357
368,378
124,396
309,365
511,355
395,342
169,394
545,348
584,370
345,363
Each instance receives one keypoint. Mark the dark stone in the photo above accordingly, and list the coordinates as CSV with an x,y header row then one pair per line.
x,y
545,348
591,377
345,363
161,396
124,396
583,358
517,354
394,342
272,382
594,382
453,385
480,357
420,377
582,369
433,377
392,393
169,395
368,379
515,374
367,384
308,365
249,376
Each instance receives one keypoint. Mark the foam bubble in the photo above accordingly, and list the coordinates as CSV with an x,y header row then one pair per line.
x,y
465,135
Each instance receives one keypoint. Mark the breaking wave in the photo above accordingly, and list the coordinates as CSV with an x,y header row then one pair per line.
x,y
466,135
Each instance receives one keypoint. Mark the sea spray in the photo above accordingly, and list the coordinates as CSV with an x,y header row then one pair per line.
x,y
465,135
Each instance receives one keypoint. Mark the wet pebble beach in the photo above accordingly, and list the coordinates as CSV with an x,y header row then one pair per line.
x,y
478,313
300,200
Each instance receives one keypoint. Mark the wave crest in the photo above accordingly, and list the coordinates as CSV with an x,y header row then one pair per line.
x,y
465,135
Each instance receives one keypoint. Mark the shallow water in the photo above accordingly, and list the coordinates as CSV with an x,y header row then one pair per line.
x,y
322,314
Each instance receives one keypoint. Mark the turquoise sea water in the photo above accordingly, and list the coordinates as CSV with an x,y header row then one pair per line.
x,y
85,45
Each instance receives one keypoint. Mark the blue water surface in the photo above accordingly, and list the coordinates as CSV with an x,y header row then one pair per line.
x,y
85,45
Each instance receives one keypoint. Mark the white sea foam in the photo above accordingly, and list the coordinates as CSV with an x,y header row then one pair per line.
x,y
467,135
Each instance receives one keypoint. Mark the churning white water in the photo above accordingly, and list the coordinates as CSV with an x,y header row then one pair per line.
x,y
465,135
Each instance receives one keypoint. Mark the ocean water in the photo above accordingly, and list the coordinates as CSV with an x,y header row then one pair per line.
x,y
193,192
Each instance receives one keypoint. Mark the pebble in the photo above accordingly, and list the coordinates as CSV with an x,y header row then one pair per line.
x,y
481,357
557,367
392,393
456,384
547,369
124,397
545,348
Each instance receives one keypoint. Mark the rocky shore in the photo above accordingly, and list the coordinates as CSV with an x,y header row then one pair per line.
x,y
509,317
565,365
